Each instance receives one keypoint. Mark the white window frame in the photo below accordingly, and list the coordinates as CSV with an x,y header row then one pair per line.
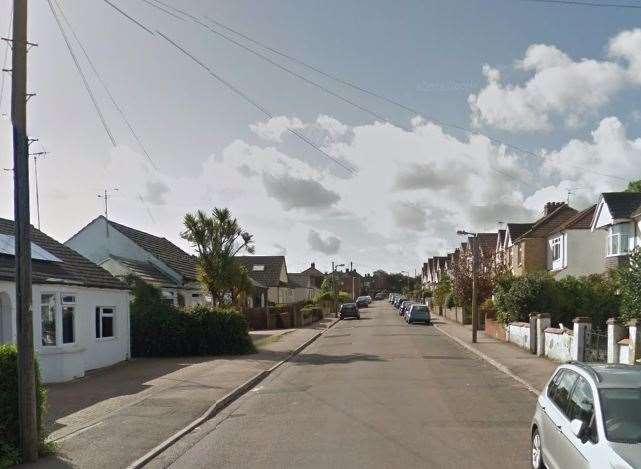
x,y
58,318
98,333
622,233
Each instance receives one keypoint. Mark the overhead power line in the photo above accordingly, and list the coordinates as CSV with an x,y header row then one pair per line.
x,y
105,87
251,101
82,74
4,61
587,4
128,16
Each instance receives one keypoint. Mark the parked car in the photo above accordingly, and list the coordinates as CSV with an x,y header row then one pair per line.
x,y
398,301
589,416
348,310
368,298
379,296
362,302
404,305
417,313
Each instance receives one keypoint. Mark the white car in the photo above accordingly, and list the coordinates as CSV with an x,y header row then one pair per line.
x,y
589,416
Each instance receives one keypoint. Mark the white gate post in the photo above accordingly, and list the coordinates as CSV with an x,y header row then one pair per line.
x,y
616,332
634,352
543,321
581,333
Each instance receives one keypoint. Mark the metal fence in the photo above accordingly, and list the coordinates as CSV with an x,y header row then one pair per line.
x,y
596,347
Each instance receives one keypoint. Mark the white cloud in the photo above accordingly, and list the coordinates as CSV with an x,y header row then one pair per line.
x,y
327,245
605,163
273,129
560,87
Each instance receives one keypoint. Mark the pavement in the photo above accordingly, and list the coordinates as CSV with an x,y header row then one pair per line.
x,y
529,369
371,393
113,416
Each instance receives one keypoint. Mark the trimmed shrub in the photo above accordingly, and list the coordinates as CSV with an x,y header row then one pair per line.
x,y
9,452
159,329
344,297
516,297
629,279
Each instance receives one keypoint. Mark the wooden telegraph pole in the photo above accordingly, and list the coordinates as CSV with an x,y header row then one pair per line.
x,y
24,314
475,306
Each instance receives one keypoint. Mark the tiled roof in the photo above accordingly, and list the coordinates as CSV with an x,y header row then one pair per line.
x,y
298,280
517,229
580,221
313,272
162,249
146,271
487,243
548,223
270,274
623,204
74,268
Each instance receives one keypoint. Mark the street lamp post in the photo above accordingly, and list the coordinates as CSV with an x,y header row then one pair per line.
x,y
334,267
475,311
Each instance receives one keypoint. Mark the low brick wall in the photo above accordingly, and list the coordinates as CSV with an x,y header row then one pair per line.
x,y
495,329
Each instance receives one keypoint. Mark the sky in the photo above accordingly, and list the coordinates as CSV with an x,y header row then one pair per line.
x,y
549,94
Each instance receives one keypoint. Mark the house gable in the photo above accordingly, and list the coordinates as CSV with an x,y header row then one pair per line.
x,y
93,242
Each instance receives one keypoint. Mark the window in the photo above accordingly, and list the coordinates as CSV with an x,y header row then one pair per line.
x,y
48,313
104,322
68,319
581,403
619,239
258,268
562,393
622,414
556,248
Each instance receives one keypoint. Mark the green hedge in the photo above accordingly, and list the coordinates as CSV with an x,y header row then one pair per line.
x,y
594,296
9,453
159,329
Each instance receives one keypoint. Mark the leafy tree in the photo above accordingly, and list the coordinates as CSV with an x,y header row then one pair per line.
x,y
630,284
218,239
488,273
442,290
634,186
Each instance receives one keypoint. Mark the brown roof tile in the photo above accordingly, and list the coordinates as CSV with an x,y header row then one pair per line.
x,y
74,268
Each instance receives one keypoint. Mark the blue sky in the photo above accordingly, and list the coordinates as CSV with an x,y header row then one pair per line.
x,y
210,148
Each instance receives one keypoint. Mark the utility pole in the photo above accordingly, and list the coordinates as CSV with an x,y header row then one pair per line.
x,y
24,316
474,242
475,293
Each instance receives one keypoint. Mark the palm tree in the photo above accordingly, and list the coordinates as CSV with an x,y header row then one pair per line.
x,y
218,239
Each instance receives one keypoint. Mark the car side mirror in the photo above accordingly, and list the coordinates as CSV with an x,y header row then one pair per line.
x,y
578,428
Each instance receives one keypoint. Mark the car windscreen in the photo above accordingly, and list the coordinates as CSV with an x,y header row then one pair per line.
x,y
419,309
361,298
622,414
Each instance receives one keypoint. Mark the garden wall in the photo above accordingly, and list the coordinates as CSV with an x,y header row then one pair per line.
x,y
558,344
519,333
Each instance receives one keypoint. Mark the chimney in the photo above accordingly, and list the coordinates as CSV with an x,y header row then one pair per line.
x,y
313,265
551,207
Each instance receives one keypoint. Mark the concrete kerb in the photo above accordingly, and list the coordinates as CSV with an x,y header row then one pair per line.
x,y
529,386
223,402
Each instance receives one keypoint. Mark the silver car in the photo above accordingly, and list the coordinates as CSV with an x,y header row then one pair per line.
x,y
589,416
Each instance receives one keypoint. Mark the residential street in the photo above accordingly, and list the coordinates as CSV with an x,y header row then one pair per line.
x,y
371,393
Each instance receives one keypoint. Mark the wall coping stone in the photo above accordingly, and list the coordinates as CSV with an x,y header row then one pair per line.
x,y
543,315
613,321
634,322
624,342
519,324
553,330
582,320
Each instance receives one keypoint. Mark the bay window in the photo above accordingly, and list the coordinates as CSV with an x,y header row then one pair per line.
x,y
556,248
619,237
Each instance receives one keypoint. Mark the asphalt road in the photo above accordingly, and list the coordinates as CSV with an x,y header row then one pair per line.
x,y
374,393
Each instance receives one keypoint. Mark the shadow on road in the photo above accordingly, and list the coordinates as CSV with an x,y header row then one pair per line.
x,y
321,359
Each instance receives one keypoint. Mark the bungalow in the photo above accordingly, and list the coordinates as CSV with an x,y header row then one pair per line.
x,y
127,251
618,214
571,247
303,286
270,272
528,245
80,311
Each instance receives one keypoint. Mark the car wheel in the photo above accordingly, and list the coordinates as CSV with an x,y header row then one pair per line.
x,y
537,450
